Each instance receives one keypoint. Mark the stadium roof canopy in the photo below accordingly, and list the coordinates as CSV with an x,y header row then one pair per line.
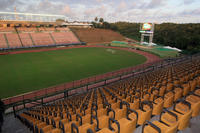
x,y
14,16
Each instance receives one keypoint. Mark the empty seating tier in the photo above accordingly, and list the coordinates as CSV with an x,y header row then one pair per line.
x,y
42,39
64,37
13,40
172,93
50,28
95,36
64,29
41,29
7,29
27,29
26,40
3,43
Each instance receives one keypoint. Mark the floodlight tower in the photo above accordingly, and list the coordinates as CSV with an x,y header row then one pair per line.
x,y
16,16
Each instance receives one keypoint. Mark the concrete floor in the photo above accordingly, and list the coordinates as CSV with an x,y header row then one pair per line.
x,y
13,125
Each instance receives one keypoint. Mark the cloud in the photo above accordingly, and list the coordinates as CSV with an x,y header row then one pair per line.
x,y
45,7
111,10
194,12
186,2
99,11
8,5
66,9
143,4
121,7
99,1
156,3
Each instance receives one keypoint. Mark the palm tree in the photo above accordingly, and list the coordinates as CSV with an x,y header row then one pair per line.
x,y
96,19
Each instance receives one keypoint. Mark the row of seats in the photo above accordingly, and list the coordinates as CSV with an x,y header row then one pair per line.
x,y
172,93
60,37
3,43
7,29
25,29
33,29
14,40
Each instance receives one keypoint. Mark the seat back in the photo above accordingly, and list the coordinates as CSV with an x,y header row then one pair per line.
x,y
184,120
172,129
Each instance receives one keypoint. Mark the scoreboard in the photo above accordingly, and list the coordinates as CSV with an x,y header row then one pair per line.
x,y
146,28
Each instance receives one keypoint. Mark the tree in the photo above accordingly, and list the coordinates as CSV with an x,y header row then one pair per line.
x,y
96,19
101,20
182,36
60,20
106,25
94,24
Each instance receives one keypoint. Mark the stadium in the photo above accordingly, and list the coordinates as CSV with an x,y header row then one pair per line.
x,y
91,77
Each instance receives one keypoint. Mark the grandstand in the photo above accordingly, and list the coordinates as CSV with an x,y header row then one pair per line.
x,y
3,43
26,29
13,40
26,39
65,37
30,37
172,93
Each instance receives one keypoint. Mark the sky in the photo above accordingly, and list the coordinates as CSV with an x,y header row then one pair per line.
x,y
157,11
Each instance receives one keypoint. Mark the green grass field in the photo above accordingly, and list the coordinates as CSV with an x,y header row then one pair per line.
x,y
162,53
26,72
157,50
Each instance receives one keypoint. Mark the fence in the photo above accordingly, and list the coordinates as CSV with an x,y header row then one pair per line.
x,y
65,90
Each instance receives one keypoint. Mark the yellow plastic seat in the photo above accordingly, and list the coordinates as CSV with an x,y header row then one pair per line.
x,y
162,91
186,89
46,129
127,125
105,130
158,127
103,121
182,115
115,105
86,118
193,85
66,127
168,99
121,112
197,92
178,92
157,106
55,121
169,86
83,128
101,112
144,113
183,120
39,126
55,131
88,128
195,105
135,103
